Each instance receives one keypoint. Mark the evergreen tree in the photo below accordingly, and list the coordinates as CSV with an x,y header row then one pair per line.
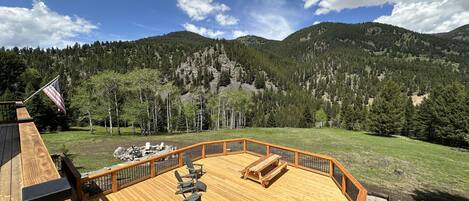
x,y
43,115
308,120
443,117
225,78
409,118
272,120
424,121
7,96
260,80
11,67
387,112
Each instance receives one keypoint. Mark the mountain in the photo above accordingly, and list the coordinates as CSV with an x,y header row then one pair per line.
x,y
461,33
316,67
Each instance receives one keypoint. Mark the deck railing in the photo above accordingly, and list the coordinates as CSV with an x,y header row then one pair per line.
x,y
119,177
7,112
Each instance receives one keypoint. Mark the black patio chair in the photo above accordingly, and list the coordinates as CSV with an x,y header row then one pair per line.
x,y
189,186
198,172
194,197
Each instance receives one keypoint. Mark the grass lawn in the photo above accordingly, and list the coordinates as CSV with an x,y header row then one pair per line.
x,y
428,170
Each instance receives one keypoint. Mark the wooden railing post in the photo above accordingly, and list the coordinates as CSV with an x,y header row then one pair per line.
x,y
181,162
245,146
296,158
267,150
152,168
203,151
79,191
331,168
224,148
114,181
343,183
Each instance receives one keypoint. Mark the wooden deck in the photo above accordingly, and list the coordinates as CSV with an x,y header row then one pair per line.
x,y
10,163
224,182
24,159
38,166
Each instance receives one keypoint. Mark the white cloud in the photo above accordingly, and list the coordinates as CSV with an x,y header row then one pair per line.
x,y
226,20
202,30
239,33
39,26
199,9
271,26
427,16
309,3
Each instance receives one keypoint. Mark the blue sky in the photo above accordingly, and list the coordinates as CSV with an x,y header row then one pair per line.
x,y
65,22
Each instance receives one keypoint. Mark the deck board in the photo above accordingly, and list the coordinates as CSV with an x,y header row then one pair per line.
x,y
225,183
10,162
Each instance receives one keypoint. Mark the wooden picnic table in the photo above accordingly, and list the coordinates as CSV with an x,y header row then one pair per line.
x,y
264,169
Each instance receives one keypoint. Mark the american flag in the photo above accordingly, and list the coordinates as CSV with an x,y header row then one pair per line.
x,y
53,91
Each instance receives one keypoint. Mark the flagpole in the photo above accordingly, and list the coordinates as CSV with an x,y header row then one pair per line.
x,y
41,89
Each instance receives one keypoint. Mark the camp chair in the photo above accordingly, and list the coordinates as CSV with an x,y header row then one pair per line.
x,y
188,186
198,172
194,197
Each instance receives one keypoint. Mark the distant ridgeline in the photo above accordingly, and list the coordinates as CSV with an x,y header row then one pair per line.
x,y
329,72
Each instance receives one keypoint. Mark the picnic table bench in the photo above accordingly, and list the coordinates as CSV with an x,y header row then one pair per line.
x,y
264,169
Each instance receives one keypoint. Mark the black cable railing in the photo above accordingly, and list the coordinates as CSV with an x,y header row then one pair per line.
x,y
213,149
234,146
286,155
256,148
314,163
7,112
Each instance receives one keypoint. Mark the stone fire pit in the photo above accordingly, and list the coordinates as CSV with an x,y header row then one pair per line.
x,y
135,153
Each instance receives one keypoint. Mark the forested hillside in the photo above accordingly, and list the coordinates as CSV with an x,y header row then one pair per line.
x,y
327,74
461,33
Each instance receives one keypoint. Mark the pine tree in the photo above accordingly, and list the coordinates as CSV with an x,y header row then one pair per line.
x,y
43,115
443,117
409,118
424,121
260,80
307,120
11,67
271,120
225,79
387,112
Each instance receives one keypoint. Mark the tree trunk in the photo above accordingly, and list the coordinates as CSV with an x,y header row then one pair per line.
x,y
117,114
90,122
133,128
187,124
168,114
155,116
195,122
232,118
218,114
224,116
244,120
110,118
201,115
239,119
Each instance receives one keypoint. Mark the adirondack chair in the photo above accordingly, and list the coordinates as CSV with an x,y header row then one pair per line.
x,y
189,186
198,172
194,197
